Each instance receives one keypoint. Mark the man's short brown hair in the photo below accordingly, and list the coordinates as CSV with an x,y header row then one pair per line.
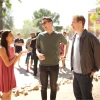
x,y
18,33
80,18
47,18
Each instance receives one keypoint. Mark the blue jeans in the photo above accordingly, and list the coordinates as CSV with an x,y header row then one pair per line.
x,y
82,86
52,72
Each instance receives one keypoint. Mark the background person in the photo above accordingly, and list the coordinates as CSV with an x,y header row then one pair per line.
x,y
33,46
29,54
18,43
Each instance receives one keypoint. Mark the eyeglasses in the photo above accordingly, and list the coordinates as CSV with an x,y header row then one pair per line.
x,y
32,34
43,23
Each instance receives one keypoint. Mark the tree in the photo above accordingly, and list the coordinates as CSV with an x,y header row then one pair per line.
x,y
4,5
58,28
97,27
28,27
15,31
1,16
69,31
38,15
8,21
93,18
97,2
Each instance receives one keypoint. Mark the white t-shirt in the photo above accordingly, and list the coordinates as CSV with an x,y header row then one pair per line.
x,y
76,55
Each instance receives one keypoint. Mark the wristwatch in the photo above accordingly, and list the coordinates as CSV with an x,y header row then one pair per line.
x,y
64,56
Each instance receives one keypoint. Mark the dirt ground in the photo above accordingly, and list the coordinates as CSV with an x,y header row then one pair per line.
x,y
65,92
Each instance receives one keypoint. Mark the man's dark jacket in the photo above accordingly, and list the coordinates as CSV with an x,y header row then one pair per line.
x,y
89,52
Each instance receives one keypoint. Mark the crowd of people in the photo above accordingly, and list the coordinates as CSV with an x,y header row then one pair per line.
x,y
49,47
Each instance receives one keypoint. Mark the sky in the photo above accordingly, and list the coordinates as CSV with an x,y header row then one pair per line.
x,y
65,8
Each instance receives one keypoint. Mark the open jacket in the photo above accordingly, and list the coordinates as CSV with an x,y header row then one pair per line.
x,y
89,52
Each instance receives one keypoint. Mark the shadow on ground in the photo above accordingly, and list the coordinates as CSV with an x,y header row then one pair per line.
x,y
66,73
22,71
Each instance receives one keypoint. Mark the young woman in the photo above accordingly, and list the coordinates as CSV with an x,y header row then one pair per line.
x,y
7,60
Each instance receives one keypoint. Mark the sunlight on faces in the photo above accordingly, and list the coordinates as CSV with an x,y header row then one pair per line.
x,y
10,38
76,25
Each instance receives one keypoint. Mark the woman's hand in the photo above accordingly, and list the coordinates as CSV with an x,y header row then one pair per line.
x,y
25,51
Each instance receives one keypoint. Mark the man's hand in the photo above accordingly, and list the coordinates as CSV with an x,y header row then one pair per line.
x,y
92,73
25,51
62,57
41,56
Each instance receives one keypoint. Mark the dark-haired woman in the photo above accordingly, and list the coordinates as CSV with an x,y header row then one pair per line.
x,y
7,60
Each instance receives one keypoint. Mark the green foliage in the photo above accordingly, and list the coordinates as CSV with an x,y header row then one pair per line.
x,y
6,7
69,31
8,4
93,17
8,21
97,27
98,11
97,2
58,28
39,14
19,0
1,3
3,12
28,27
15,31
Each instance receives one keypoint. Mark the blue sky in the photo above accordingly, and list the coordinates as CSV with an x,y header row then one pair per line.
x,y
66,9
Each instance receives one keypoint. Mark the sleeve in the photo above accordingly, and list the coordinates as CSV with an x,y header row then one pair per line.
x,y
15,41
22,40
96,50
38,42
63,39
31,44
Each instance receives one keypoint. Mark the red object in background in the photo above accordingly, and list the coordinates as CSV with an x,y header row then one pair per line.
x,y
97,21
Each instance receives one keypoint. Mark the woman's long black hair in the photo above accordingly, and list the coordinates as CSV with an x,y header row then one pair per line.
x,y
4,41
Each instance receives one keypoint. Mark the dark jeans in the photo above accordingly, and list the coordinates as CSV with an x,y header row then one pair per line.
x,y
52,72
82,86
34,56
35,65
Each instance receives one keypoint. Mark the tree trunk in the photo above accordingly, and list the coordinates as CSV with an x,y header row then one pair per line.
x,y
1,18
